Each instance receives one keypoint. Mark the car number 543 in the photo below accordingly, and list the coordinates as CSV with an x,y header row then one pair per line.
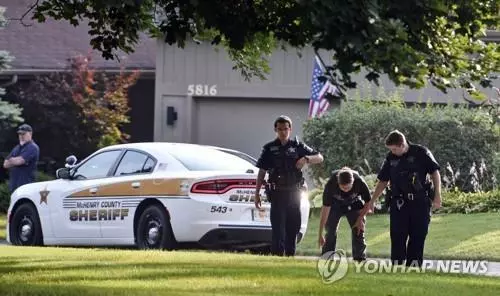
x,y
218,209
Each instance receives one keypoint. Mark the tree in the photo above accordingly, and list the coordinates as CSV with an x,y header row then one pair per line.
x,y
10,114
102,100
410,41
82,108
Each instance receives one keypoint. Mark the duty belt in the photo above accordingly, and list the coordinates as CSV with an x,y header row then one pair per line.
x,y
274,186
410,196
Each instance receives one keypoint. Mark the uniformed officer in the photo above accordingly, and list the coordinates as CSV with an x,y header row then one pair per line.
x,y
345,194
407,167
283,159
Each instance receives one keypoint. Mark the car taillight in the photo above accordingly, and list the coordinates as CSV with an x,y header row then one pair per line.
x,y
221,186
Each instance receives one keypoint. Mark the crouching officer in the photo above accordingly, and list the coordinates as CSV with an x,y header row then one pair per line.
x,y
345,193
283,159
407,167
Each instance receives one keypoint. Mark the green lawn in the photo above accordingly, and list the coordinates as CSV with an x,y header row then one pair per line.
x,y
450,236
86,271
473,236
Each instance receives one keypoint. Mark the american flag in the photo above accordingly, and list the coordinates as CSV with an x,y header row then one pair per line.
x,y
318,104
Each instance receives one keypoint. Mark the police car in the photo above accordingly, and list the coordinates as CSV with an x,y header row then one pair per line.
x,y
151,195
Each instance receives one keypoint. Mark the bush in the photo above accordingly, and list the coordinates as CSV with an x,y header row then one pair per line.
x,y
477,202
453,201
4,197
353,135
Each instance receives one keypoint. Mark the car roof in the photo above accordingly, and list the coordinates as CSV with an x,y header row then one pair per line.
x,y
150,146
158,148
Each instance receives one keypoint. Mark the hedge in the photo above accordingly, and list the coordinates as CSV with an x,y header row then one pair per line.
x,y
466,142
453,201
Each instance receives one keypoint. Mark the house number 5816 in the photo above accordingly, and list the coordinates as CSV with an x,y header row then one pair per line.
x,y
202,90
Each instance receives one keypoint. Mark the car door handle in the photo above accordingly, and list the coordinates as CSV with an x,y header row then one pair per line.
x,y
93,190
136,184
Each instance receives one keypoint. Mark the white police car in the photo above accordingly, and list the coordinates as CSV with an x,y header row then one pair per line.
x,y
152,195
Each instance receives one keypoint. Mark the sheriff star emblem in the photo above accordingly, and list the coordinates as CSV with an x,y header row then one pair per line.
x,y
43,195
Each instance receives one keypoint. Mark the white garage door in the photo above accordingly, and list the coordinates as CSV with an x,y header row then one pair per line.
x,y
244,124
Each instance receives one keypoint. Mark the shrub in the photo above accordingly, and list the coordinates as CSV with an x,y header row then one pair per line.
x,y
4,197
353,135
455,201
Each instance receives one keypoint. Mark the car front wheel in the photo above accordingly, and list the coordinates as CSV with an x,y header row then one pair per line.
x,y
154,230
25,228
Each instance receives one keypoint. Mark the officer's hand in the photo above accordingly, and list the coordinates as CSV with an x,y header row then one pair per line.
x,y
301,163
258,202
367,209
359,225
321,241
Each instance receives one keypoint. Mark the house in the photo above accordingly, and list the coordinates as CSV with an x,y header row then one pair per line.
x,y
200,99
42,48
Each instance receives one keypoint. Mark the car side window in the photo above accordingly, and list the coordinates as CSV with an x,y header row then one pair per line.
x,y
133,162
97,166
149,165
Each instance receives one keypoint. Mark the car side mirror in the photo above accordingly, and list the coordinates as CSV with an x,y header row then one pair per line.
x,y
70,161
63,173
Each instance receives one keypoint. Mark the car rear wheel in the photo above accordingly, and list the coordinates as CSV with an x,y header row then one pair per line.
x,y
154,230
25,228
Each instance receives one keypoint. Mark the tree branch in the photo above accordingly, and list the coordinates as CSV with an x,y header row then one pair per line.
x,y
33,6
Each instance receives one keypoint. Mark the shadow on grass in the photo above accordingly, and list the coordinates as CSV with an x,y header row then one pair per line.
x,y
108,270
216,279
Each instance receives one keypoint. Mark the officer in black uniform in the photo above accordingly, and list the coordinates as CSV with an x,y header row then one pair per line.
x,y
283,159
407,167
345,194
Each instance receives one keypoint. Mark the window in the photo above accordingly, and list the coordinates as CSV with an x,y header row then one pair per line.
x,y
134,162
206,159
149,165
98,166
241,155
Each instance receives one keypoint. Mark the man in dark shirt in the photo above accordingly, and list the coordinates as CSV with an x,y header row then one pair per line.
x,y
407,167
284,159
22,160
345,193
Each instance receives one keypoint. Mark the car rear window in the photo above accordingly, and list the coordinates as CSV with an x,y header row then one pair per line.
x,y
206,159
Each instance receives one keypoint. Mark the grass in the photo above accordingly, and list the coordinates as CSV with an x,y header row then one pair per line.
x,y
473,236
452,236
86,271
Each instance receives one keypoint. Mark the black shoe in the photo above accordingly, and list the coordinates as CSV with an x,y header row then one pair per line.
x,y
359,259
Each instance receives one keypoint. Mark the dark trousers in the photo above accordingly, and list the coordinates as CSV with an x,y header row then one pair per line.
x,y
357,240
285,221
409,224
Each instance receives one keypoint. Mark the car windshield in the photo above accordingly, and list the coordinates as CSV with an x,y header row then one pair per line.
x,y
196,158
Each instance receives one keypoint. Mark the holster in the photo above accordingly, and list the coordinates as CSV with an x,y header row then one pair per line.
x,y
268,190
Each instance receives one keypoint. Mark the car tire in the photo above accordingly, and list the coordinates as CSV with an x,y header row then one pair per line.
x,y
154,230
25,228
